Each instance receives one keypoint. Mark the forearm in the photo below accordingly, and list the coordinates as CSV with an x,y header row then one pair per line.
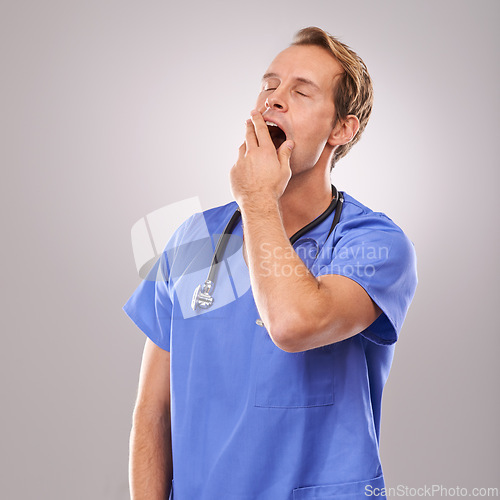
x,y
282,285
150,464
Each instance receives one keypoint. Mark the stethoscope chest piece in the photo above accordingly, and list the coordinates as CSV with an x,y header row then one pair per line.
x,y
202,297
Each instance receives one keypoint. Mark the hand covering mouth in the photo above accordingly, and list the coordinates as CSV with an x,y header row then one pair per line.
x,y
277,135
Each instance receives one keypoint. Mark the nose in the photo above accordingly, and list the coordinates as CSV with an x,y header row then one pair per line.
x,y
276,101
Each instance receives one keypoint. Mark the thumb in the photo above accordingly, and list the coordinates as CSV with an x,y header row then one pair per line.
x,y
285,151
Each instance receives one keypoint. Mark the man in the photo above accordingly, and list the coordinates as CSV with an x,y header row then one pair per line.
x,y
274,390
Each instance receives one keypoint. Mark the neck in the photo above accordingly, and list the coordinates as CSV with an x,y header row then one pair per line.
x,y
307,195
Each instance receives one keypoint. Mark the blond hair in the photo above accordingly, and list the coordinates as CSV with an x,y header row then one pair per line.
x,y
353,94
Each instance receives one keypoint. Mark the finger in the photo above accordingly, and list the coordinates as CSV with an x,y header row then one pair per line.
x,y
284,153
250,137
261,130
241,151
263,109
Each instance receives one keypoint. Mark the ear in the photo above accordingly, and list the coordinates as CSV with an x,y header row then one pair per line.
x,y
344,131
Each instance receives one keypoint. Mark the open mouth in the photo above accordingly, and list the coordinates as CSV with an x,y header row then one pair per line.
x,y
277,135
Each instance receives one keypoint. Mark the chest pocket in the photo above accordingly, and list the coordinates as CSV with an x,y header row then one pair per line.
x,y
292,380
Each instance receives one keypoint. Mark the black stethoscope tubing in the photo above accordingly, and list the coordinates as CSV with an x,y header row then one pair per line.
x,y
202,295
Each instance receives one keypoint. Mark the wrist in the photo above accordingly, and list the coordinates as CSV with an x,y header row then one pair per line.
x,y
258,202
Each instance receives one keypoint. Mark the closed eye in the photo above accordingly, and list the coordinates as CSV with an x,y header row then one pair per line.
x,y
302,94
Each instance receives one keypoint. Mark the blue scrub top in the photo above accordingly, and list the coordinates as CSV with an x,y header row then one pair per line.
x,y
250,421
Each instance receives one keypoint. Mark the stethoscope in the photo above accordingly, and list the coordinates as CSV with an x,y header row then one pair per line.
x,y
202,295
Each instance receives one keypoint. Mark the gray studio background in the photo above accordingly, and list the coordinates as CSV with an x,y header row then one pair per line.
x,y
113,109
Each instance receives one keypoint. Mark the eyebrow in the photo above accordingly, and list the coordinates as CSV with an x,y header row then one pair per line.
x,y
297,78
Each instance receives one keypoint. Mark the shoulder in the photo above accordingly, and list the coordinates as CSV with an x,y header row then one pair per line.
x,y
361,227
202,224
355,214
216,216
357,220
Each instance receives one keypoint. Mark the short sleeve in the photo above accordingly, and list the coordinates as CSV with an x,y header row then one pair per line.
x,y
150,306
377,255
